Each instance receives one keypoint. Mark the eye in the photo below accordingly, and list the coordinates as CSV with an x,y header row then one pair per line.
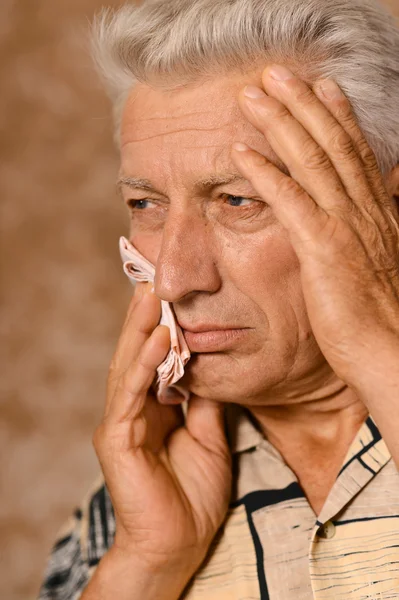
x,y
237,200
140,204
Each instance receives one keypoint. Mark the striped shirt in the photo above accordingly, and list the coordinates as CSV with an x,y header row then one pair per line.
x,y
271,545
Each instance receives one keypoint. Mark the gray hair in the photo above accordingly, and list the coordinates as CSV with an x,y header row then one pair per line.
x,y
172,43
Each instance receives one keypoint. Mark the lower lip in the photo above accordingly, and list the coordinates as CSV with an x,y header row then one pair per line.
x,y
213,341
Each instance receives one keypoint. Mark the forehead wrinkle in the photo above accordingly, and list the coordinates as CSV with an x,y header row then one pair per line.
x,y
176,131
169,117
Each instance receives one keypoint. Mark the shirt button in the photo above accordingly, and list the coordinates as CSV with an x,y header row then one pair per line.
x,y
327,531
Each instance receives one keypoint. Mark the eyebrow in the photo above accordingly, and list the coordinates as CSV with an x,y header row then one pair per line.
x,y
209,182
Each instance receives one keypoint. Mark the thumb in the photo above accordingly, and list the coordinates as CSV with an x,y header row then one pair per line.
x,y
205,421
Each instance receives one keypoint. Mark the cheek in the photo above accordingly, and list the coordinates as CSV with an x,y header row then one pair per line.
x,y
266,270
278,287
148,244
263,265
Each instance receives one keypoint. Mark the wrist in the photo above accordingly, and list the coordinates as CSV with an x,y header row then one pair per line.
x,y
377,386
378,372
128,577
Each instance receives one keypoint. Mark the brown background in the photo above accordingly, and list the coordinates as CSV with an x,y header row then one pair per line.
x,y
63,294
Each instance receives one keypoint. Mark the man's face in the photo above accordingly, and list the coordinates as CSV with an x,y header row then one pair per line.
x,y
221,256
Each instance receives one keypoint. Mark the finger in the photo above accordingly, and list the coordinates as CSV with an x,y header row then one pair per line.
x,y
328,133
303,218
205,421
139,325
338,142
140,289
338,134
305,160
132,387
332,97
141,321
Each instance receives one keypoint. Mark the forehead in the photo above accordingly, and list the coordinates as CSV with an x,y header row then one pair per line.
x,y
187,126
151,112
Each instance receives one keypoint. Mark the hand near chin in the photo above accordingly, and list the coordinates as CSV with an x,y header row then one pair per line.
x,y
170,482
341,220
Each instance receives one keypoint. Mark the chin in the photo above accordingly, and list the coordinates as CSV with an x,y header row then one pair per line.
x,y
219,377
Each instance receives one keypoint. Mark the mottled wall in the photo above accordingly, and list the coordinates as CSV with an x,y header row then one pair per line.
x,y
62,292
63,295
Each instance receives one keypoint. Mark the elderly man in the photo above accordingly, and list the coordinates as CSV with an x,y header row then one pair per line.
x,y
259,161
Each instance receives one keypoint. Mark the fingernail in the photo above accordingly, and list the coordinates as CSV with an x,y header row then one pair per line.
x,y
280,73
251,91
149,289
330,90
145,290
240,147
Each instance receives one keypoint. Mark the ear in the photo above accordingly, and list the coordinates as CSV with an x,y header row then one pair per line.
x,y
392,183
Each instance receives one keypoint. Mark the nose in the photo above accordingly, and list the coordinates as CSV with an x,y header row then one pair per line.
x,y
186,261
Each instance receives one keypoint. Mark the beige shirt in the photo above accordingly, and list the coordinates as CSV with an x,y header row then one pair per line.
x,y
271,546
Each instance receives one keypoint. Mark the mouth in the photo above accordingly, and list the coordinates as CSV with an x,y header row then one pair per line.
x,y
211,339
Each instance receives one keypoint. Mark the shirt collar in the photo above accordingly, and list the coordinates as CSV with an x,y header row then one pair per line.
x,y
243,433
366,457
241,429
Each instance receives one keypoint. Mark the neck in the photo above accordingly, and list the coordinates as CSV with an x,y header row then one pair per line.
x,y
318,419
314,436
